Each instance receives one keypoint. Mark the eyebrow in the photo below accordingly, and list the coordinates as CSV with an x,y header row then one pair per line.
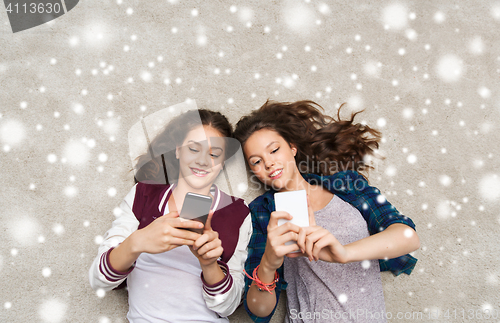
x,y
269,144
197,143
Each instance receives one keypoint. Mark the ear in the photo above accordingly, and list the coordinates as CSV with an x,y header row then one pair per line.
x,y
177,152
294,149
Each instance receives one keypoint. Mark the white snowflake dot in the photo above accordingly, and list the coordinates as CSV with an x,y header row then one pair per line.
x,y
103,157
98,239
100,293
46,272
342,298
58,229
52,158
112,191
412,159
408,233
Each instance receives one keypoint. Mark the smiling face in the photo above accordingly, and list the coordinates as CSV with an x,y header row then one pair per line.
x,y
271,159
201,157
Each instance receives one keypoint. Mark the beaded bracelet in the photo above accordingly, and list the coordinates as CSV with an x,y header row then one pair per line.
x,y
269,287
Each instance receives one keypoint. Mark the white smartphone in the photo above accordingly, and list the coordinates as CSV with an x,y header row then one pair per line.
x,y
295,203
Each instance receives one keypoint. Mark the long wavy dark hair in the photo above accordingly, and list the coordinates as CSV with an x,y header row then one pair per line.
x,y
325,145
156,169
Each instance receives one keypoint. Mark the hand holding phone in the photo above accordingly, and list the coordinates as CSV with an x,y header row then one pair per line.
x,y
196,208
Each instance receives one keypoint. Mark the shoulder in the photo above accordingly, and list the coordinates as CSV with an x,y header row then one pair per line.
x,y
263,203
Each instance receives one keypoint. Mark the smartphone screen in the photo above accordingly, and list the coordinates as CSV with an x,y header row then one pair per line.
x,y
196,207
295,203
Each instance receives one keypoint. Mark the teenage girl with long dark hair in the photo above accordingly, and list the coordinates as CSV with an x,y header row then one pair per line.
x,y
354,232
176,275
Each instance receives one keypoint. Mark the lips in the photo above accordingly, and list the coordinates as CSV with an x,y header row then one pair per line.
x,y
276,174
199,172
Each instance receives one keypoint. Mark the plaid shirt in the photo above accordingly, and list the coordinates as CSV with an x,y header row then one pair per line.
x,y
350,187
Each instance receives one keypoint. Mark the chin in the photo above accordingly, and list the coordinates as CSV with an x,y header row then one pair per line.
x,y
199,183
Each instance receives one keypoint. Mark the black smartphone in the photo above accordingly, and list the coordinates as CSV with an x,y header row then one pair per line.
x,y
196,208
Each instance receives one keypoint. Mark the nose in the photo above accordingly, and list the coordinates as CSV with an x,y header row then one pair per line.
x,y
202,159
269,164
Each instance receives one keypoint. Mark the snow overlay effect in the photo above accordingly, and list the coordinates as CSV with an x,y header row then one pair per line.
x,y
425,75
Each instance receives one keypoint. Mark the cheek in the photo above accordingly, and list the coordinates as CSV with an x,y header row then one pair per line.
x,y
259,172
186,157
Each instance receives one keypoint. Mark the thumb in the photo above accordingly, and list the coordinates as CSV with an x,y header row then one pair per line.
x,y
208,224
312,220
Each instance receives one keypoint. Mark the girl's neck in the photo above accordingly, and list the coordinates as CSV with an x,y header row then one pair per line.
x,y
299,183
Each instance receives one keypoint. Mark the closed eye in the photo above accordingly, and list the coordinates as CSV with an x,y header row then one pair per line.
x,y
193,150
255,163
272,152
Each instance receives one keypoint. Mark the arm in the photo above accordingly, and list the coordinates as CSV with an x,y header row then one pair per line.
x,y
101,273
123,243
217,296
267,249
380,215
397,240
319,244
392,234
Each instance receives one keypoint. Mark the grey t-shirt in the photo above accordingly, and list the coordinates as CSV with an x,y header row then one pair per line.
x,y
332,292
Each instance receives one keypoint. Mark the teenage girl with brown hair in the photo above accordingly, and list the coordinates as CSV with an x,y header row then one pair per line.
x,y
354,231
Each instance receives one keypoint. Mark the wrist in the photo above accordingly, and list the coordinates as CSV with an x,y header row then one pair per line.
x,y
213,274
134,243
349,255
213,266
265,272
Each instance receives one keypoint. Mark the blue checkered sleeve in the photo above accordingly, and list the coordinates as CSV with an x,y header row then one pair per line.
x,y
376,210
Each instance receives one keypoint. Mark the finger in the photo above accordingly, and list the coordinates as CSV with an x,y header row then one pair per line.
x,y
275,216
209,246
311,240
312,220
201,241
286,228
301,239
285,250
308,248
180,242
208,224
295,255
185,224
320,244
173,214
303,233
289,236
214,253
185,234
